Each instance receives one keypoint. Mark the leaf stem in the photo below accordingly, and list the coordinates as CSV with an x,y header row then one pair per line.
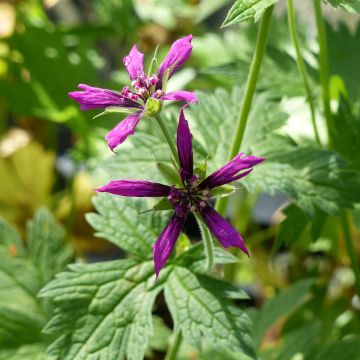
x,y
324,68
248,94
350,247
173,350
302,68
168,138
208,242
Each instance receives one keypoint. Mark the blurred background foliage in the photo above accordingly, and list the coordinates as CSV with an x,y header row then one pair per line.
x,y
52,155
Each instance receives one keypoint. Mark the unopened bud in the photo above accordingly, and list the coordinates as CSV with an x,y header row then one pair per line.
x,y
153,80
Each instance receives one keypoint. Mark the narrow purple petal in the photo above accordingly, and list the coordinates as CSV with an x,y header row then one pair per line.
x,y
179,52
134,63
135,188
94,98
184,145
166,241
222,229
187,96
122,130
230,171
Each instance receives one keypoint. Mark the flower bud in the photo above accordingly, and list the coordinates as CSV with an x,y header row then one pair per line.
x,y
153,80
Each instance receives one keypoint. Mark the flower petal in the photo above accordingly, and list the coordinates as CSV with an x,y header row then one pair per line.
x,y
187,96
184,145
93,98
122,130
134,63
135,188
230,171
222,229
166,241
179,52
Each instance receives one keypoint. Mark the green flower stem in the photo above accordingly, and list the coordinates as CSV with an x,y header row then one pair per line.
x,y
302,68
208,242
173,350
344,219
168,138
324,78
324,68
248,94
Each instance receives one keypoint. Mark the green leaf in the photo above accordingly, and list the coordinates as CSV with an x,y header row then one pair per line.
x,y
311,177
348,5
120,220
169,173
291,228
247,10
340,62
346,349
48,251
199,308
103,310
22,274
281,306
347,133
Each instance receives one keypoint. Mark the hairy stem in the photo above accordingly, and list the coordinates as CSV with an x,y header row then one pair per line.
x,y
350,248
168,138
248,94
173,350
324,68
208,242
302,68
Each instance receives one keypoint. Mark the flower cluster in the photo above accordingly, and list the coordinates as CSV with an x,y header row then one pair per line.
x,y
192,193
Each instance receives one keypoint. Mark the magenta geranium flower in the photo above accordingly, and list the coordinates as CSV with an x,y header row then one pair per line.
x,y
146,94
193,195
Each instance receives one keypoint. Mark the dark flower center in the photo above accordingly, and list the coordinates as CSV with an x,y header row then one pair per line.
x,y
190,198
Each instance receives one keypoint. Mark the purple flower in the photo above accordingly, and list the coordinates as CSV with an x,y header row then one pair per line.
x,y
192,196
146,94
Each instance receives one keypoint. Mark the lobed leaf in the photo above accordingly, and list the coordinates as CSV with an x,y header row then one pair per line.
x,y
199,308
247,10
103,310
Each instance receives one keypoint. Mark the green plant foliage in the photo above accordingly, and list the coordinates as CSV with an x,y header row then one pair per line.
x,y
123,222
346,349
281,306
348,5
247,10
23,272
340,62
200,308
106,307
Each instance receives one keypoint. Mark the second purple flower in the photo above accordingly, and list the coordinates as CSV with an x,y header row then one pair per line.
x,y
146,94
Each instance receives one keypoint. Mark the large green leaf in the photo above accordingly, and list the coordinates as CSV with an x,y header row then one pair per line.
x,y
103,310
23,272
281,306
200,308
342,62
122,221
348,5
247,10
46,245
346,349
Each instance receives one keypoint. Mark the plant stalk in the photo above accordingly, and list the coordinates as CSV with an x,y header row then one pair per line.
x,y
173,350
250,86
324,68
168,138
302,68
208,242
324,78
